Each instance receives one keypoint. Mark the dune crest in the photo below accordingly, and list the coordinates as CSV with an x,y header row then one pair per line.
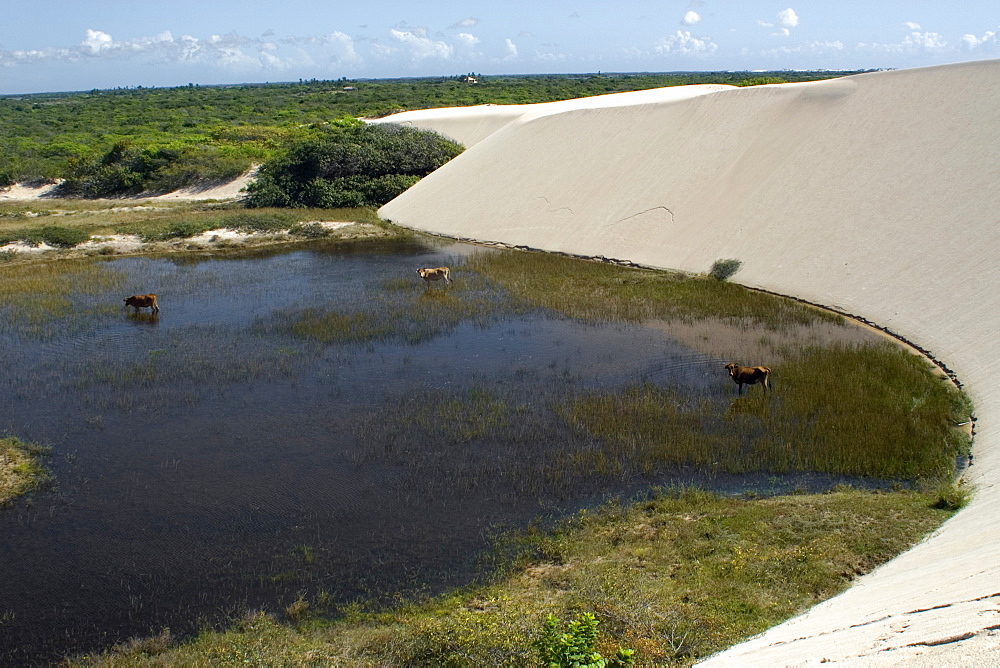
x,y
874,194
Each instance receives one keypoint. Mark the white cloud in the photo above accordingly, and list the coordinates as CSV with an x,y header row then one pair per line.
x,y
930,41
915,42
549,57
421,47
691,18
788,18
989,41
510,50
464,23
831,47
684,43
97,41
467,40
910,25
342,51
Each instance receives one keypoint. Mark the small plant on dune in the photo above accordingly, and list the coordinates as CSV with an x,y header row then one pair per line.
x,y
575,647
723,269
952,495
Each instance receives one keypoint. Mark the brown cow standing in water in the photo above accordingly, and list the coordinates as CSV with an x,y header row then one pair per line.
x,y
748,375
143,301
435,274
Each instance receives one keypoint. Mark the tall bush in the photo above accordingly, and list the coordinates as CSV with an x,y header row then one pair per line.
x,y
362,165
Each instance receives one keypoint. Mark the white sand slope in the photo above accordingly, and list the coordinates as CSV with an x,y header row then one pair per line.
x,y
877,194
470,125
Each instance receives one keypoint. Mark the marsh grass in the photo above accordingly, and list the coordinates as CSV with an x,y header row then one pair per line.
x,y
404,310
599,292
450,443
183,371
21,468
676,576
875,410
34,296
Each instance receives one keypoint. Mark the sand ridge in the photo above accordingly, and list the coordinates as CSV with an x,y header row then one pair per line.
x,y
873,194
228,190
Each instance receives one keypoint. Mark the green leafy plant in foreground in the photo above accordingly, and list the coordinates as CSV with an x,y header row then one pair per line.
x,y
574,648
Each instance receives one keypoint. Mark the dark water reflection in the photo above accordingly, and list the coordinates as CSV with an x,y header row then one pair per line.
x,y
208,463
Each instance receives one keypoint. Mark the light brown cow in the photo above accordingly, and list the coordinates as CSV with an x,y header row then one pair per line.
x,y
748,375
143,301
435,274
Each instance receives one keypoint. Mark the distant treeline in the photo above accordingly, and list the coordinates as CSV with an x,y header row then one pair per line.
x,y
140,139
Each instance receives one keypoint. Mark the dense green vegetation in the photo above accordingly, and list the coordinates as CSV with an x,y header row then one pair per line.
x,y
172,136
350,166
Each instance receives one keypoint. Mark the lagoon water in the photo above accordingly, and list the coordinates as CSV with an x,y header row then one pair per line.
x,y
211,461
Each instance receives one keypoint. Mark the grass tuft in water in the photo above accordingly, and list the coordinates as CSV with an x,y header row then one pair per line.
x,y
21,469
406,311
34,296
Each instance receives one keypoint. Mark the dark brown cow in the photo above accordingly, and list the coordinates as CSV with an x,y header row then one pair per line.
x,y
435,274
143,301
748,375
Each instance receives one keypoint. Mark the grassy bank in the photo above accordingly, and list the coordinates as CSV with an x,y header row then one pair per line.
x,y
21,469
676,577
165,226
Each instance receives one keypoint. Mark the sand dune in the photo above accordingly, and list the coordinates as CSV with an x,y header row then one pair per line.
x,y
470,125
874,194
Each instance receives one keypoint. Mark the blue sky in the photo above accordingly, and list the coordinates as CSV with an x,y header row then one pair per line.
x,y
62,45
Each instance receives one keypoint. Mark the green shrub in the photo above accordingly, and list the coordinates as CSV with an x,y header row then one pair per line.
x,y
723,269
63,237
351,166
53,235
761,81
575,647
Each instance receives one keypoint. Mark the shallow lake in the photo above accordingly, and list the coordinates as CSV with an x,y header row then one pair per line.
x,y
216,459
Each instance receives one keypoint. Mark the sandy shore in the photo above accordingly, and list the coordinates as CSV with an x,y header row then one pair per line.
x,y
875,195
124,244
